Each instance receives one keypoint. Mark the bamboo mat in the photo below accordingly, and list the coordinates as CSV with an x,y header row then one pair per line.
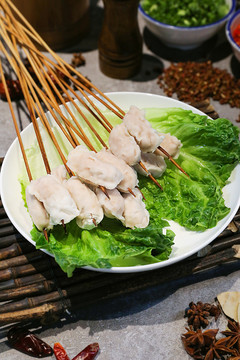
x,y
33,287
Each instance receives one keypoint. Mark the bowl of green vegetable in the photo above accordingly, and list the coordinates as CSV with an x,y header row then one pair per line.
x,y
233,33
186,24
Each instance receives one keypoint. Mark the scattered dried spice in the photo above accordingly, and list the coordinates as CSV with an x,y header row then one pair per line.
x,y
196,343
197,314
204,345
233,334
196,81
14,89
234,356
217,349
78,60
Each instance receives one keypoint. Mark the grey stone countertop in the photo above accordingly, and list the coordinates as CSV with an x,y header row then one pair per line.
x,y
146,324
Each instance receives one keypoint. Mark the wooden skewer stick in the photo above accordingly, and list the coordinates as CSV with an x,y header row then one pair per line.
x,y
35,125
15,122
17,131
150,175
172,160
64,89
32,91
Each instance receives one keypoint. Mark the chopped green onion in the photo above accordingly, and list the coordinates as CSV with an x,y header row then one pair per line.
x,y
186,12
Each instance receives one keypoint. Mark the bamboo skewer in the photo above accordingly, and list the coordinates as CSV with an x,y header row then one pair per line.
x,y
15,123
172,160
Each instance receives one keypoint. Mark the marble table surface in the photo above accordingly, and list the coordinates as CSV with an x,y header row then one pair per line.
x,y
146,324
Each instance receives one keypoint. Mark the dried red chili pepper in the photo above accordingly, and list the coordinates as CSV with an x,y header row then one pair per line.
x,y
14,88
60,352
25,341
88,353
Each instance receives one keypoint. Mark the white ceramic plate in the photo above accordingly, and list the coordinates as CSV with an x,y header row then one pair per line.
x,y
186,242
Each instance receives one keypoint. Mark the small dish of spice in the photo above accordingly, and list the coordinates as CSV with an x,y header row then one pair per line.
x,y
233,33
186,24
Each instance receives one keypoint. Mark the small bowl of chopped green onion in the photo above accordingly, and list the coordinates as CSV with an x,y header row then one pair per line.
x,y
233,33
186,24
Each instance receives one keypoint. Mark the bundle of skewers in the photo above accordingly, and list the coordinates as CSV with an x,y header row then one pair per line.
x,y
89,184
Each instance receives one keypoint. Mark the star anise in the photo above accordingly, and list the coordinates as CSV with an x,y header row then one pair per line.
x,y
198,313
217,349
200,338
196,341
233,334
235,355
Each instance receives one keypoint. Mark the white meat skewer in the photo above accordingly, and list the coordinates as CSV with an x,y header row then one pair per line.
x,y
92,170
130,180
140,128
55,198
123,145
90,210
113,205
37,212
155,164
171,144
135,213
60,173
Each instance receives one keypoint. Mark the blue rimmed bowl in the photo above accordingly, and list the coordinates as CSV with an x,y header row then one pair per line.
x,y
185,37
231,25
